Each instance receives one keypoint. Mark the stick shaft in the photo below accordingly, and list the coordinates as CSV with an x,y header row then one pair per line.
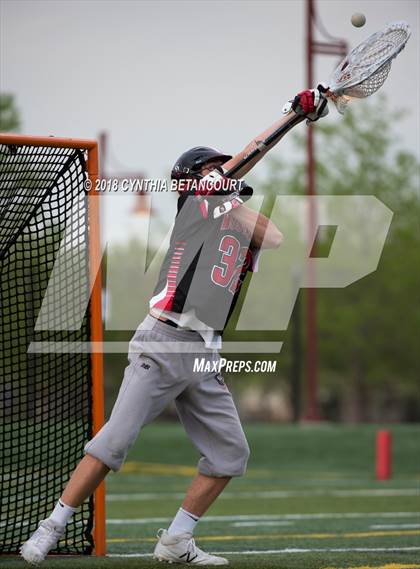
x,y
263,145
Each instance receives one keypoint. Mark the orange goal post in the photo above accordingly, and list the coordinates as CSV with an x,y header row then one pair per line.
x,y
51,369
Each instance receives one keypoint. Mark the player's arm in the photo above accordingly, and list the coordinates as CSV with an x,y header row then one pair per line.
x,y
257,142
264,234
310,104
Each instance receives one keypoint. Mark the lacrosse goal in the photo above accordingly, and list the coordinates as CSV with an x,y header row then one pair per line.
x,y
51,392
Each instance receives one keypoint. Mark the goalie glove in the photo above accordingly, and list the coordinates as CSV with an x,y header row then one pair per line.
x,y
219,195
215,206
228,205
215,184
234,200
311,103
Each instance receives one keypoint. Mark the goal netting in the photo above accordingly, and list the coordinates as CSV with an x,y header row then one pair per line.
x,y
45,394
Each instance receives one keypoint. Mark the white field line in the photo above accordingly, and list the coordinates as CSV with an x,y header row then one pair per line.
x,y
261,523
270,494
18,522
293,551
396,526
267,517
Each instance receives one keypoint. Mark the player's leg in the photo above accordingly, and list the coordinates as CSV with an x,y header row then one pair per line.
x,y
136,405
208,413
88,475
202,493
210,418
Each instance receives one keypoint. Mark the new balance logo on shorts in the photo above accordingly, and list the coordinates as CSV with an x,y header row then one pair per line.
x,y
219,378
146,366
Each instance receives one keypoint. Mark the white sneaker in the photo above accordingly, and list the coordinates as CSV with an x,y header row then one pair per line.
x,y
41,541
181,548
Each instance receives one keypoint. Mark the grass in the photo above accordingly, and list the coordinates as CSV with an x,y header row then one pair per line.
x,y
310,491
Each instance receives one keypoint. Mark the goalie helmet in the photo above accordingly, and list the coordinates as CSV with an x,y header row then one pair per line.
x,y
189,164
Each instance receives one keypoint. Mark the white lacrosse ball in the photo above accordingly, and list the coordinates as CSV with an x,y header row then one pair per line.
x,y
358,20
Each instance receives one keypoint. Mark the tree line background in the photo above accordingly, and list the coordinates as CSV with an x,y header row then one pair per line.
x,y
368,333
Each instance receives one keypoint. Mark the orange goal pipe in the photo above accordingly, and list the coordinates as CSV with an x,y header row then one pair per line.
x,y
98,407
48,141
98,412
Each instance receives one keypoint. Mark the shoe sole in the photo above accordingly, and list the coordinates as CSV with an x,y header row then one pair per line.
x,y
30,561
163,560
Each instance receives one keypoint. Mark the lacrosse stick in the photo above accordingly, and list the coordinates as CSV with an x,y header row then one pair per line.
x,y
364,70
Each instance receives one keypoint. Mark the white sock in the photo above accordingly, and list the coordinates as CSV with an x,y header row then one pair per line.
x,y
183,522
62,513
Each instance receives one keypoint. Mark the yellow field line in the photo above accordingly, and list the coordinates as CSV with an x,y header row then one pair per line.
x,y
388,566
156,468
381,533
284,536
137,467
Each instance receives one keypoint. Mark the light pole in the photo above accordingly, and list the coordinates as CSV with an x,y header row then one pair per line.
x,y
332,47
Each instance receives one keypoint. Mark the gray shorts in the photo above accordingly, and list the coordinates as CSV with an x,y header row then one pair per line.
x,y
157,376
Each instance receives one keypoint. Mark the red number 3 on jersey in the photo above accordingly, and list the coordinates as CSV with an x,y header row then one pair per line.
x,y
231,265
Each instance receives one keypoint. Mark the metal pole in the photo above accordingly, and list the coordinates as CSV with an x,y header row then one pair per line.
x,y
312,411
296,363
334,46
103,148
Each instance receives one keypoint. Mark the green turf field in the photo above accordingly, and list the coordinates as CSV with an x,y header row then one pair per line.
x,y
309,501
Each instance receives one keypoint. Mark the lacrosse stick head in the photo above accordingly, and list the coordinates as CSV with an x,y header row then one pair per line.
x,y
364,70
